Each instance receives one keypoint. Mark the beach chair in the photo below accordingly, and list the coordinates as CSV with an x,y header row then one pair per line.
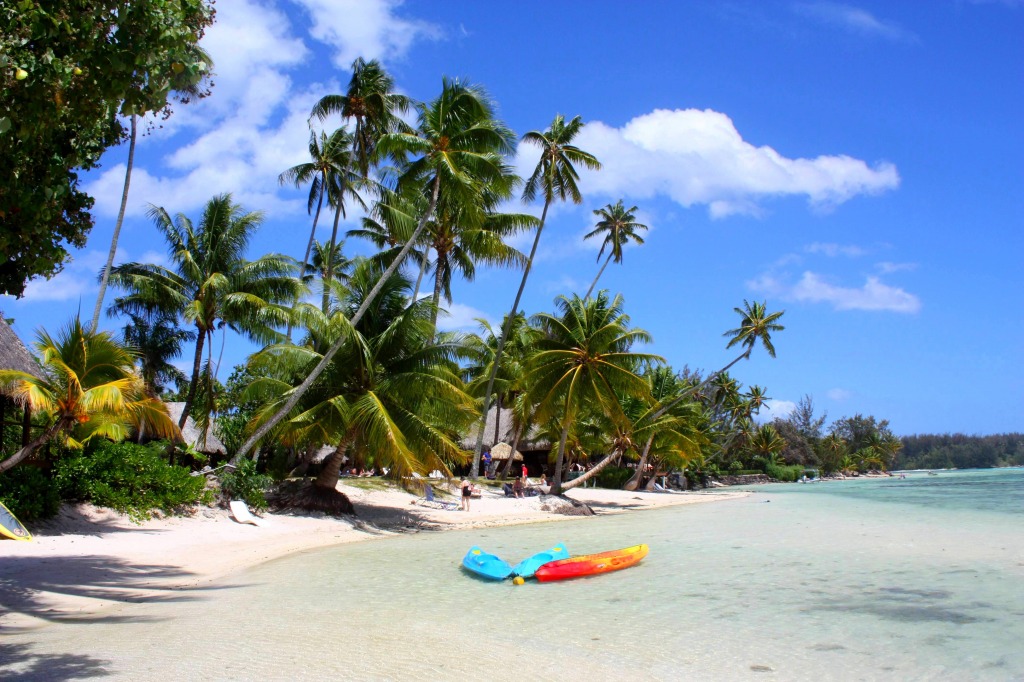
x,y
240,511
430,500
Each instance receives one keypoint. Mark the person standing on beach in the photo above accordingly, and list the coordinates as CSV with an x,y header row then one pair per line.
x,y
487,464
467,493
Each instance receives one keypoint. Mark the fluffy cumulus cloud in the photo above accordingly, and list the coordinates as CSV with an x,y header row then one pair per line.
x,y
698,157
854,20
777,409
874,295
79,280
362,28
463,318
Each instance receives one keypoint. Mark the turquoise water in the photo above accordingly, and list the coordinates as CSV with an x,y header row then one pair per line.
x,y
887,579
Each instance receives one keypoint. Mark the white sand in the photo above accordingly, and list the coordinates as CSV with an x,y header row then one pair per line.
x,y
88,559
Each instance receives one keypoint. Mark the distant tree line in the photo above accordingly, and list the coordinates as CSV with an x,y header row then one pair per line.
x,y
959,451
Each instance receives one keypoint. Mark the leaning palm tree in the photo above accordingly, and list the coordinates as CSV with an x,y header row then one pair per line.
x,y
211,283
188,80
459,144
392,391
89,388
555,178
585,360
619,227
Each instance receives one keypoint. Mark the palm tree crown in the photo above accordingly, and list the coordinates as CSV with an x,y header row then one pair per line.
x,y
756,325
619,226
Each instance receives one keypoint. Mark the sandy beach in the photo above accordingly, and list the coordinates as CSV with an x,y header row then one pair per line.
x,y
89,560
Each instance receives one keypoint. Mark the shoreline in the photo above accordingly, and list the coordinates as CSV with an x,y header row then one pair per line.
x,y
87,561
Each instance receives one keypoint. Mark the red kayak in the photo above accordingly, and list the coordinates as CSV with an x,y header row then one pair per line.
x,y
591,564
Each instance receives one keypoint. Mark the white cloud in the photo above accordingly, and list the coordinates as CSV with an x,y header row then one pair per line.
x,y
463,318
365,28
855,20
780,409
698,157
813,288
838,394
886,267
833,250
78,280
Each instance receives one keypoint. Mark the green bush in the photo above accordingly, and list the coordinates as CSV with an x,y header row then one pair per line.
x,y
614,477
133,479
779,472
29,493
244,483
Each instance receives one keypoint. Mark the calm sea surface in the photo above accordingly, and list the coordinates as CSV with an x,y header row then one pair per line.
x,y
884,579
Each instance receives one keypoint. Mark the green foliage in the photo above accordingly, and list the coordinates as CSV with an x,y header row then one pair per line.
x,y
960,451
245,484
29,493
67,70
133,479
781,472
614,477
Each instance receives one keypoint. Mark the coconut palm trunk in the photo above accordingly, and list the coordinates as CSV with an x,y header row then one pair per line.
x,y
506,330
301,389
634,482
599,273
36,443
117,227
329,275
197,364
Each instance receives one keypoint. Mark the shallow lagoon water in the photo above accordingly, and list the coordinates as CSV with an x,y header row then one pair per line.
x,y
880,579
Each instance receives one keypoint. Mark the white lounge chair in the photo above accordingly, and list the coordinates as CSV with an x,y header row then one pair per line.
x,y
240,511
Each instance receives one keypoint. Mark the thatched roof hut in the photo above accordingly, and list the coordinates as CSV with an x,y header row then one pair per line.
x,y
13,353
190,432
506,433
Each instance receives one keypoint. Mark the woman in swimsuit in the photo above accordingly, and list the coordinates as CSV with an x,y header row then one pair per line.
x,y
467,493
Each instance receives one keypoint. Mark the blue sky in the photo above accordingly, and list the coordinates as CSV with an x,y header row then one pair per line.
x,y
860,166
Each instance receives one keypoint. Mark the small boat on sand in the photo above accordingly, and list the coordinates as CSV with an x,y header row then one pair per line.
x,y
486,565
591,564
527,567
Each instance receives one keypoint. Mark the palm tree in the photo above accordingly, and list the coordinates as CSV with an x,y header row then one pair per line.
x,y
619,226
188,79
157,339
458,144
585,360
372,103
833,452
555,177
766,444
330,156
392,392
460,242
756,325
211,284
89,388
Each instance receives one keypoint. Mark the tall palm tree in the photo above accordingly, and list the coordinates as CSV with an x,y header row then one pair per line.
x,y
90,387
585,360
372,104
189,79
619,227
555,178
756,325
457,143
330,156
391,392
211,283
766,444
462,238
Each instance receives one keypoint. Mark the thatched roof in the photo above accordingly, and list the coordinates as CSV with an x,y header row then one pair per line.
x,y
13,353
190,432
501,451
506,433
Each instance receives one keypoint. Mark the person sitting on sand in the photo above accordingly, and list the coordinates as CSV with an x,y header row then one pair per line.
x,y
517,487
467,494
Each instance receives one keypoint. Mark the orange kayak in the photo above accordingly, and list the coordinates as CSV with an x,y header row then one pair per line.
x,y
591,564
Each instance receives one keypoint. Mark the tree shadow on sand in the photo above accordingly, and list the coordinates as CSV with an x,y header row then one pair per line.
x,y
19,665
26,581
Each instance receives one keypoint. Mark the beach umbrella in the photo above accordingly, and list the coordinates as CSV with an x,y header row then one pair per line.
x,y
501,451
